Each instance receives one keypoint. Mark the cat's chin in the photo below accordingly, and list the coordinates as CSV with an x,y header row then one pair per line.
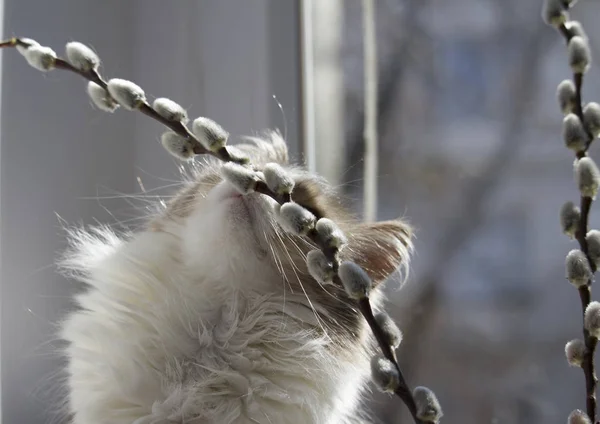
x,y
233,206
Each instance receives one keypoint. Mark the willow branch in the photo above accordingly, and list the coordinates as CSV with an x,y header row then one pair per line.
x,y
585,291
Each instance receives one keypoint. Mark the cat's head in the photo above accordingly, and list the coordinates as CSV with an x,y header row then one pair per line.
x,y
237,239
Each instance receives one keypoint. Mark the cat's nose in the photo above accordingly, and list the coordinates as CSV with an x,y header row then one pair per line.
x,y
232,194
225,191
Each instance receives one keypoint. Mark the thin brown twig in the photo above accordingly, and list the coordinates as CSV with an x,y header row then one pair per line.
x,y
364,306
94,76
403,391
585,291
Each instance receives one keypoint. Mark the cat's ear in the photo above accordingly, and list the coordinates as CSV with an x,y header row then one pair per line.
x,y
269,148
380,248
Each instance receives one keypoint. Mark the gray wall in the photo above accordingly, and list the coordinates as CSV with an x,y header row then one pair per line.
x,y
220,58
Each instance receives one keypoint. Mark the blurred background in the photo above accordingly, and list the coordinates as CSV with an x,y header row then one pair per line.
x,y
470,151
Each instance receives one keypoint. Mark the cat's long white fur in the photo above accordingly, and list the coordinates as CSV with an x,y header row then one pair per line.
x,y
172,331
210,316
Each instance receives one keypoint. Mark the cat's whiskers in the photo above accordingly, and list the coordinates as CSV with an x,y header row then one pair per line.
x,y
166,180
293,241
281,267
309,244
351,183
295,269
295,244
152,197
142,194
126,223
284,276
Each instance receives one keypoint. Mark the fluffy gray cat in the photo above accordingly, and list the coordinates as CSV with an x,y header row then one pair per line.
x,y
209,314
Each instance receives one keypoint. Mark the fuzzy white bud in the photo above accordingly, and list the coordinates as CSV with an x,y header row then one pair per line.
x,y
330,234
210,134
573,133
384,374
242,178
101,98
587,176
428,406
170,110
278,179
554,13
591,319
591,118
565,93
126,93
580,56
576,29
319,267
578,268
569,219
40,57
177,145
356,281
578,417
25,44
593,245
296,219
237,155
390,330
574,352
81,56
